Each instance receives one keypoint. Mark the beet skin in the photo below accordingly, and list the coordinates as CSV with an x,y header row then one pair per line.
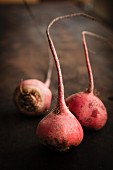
x,y
88,109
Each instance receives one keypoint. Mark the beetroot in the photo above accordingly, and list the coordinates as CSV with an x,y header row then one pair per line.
x,y
32,97
88,109
86,106
60,129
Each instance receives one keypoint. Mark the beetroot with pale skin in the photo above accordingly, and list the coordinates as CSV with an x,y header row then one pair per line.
x,y
86,106
60,129
32,97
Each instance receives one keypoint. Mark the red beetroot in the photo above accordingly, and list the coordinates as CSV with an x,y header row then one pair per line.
x,y
86,106
60,129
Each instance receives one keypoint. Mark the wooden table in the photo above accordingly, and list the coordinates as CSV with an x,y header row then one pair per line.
x,y
24,55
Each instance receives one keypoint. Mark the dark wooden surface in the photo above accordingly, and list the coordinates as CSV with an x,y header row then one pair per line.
x,y
24,55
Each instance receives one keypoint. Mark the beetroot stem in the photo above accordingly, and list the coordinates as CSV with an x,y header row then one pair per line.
x,y
91,80
60,100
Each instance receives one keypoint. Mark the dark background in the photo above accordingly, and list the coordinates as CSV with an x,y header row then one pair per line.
x,y
24,55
